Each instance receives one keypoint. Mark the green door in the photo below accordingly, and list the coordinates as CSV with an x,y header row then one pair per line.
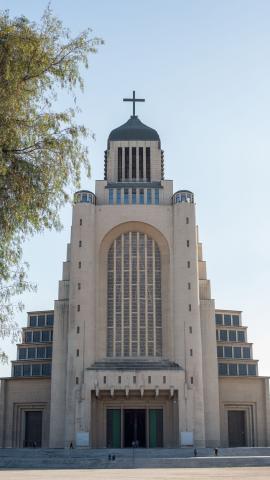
x,y
155,428
114,428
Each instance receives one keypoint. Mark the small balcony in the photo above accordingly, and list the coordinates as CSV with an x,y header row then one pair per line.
x,y
183,196
85,196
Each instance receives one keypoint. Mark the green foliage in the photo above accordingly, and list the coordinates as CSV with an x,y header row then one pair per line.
x,y
41,150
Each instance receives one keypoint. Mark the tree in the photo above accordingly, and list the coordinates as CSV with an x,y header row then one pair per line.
x,y
41,150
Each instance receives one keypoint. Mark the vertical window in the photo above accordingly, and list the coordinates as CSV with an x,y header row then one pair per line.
x,y
78,329
46,369
36,336
232,335
189,285
149,379
191,380
110,196
141,163
237,352
188,264
187,220
149,196
241,336
80,221
134,200
33,321
242,369
49,319
148,167
223,335
134,379
141,196
119,379
119,164
252,370
79,286
190,329
77,380
156,196
45,336
227,320
41,320
41,352
126,162
77,352
118,198
189,307
31,353
246,352
232,369
49,352
236,320
220,352
78,308
218,318
187,243
17,370
222,369
79,264
36,369
134,313
133,153
26,370
126,196
104,380
228,352
191,352
80,243
164,379
22,353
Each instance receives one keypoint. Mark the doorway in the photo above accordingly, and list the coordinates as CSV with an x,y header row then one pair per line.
x,y
237,428
135,428
33,429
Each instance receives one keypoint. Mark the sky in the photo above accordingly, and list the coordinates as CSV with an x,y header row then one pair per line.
x,y
204,69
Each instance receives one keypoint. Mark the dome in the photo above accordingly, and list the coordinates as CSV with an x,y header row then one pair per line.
x,y
133,129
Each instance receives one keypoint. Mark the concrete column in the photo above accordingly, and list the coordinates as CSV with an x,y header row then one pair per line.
x,y
3,385
59,372
187,327
82,317
210,373
267,411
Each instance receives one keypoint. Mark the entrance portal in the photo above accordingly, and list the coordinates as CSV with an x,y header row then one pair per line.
x,y
134,428
33,429
237,428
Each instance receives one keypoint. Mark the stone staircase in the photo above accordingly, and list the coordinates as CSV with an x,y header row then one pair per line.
x,y
34,458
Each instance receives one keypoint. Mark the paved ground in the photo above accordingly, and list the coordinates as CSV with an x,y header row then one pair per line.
x,y
241,473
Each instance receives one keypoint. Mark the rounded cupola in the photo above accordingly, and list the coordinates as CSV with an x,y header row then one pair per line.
x,y
132,130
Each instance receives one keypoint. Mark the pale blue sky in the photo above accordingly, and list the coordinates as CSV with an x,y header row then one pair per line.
x,y
204,69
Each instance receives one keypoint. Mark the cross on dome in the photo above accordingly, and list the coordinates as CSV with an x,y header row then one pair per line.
x,y
133,100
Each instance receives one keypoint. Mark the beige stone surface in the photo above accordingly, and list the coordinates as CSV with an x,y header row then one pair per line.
x,y
239,473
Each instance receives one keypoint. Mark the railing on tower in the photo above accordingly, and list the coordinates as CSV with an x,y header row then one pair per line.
x,y
84,196
183,196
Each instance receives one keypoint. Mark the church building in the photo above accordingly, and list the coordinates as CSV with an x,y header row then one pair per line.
x,y
134,352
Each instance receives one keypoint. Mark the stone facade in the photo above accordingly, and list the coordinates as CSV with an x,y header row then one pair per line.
x,y
139,352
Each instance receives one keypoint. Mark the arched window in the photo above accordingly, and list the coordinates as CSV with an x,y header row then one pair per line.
x,y
134,324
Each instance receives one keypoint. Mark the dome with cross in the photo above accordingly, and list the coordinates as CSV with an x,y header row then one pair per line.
x,y
133,129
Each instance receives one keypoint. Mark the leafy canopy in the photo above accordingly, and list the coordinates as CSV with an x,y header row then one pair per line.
x,y
41,150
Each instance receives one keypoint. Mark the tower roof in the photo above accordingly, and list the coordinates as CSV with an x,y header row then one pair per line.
x,y
133,129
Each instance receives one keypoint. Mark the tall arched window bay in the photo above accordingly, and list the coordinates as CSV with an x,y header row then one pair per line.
x,y
134,323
